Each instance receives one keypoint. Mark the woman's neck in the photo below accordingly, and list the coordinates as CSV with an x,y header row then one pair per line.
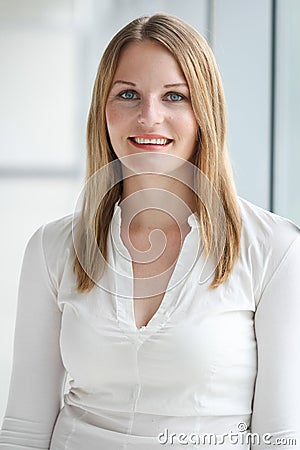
x,y
156,202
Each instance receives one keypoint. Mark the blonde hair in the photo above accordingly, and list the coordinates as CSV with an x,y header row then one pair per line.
x,y
198,65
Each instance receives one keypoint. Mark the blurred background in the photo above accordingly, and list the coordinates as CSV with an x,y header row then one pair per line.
x,y
49,53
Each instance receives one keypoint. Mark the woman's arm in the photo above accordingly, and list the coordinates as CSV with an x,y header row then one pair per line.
x,y
38,373
276,406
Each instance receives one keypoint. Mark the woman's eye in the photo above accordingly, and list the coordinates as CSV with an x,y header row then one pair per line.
x,y
128,95
174,97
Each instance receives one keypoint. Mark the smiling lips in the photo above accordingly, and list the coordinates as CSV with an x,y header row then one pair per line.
x,y
154,141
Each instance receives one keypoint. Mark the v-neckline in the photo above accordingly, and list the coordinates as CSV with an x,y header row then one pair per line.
x,y
123,265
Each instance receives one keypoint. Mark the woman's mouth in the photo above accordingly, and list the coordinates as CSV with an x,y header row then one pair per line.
x,y
150,142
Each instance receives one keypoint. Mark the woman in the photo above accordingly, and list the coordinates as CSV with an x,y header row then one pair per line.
x,y
170,303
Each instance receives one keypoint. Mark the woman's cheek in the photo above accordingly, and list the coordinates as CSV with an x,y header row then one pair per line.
x,y
117,118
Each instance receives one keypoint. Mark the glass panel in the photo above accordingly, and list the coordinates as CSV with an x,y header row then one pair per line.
x,y
287,111
242,47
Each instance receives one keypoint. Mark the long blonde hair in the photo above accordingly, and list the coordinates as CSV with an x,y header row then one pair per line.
x,y
198,65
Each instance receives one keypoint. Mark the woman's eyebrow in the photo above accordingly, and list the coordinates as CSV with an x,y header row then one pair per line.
x,y
175,85
124,82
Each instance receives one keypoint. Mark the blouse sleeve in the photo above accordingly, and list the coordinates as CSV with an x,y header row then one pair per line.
x,y
37,374
276,404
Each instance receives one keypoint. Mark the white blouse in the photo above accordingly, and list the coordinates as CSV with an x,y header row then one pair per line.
x,y
214,361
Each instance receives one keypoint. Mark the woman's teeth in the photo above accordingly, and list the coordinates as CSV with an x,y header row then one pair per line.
x,y
151,141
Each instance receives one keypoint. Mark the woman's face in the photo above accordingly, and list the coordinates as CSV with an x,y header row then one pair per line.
x,y
148,107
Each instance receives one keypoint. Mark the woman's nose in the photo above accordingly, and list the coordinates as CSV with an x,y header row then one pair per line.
x,y
151,112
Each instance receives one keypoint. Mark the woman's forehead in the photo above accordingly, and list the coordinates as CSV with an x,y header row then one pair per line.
x,y
148,59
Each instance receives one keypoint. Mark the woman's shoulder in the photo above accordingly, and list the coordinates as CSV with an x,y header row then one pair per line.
x,y
266,238
56,232
267,241
55,235
52,244
262,226
59,230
